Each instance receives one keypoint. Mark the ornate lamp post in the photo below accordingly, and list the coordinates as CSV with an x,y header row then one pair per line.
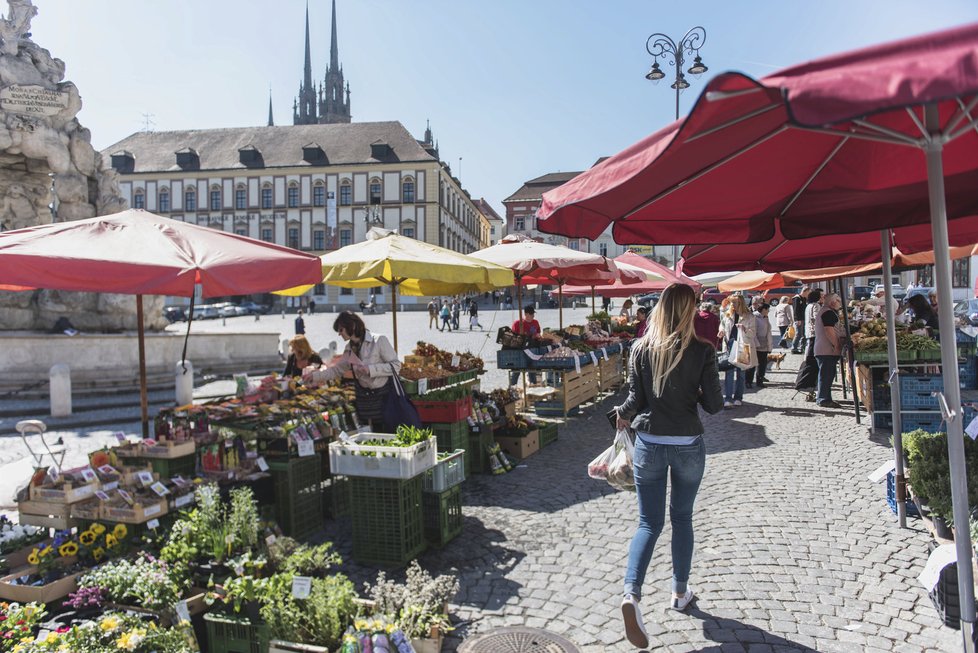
x,y
660,45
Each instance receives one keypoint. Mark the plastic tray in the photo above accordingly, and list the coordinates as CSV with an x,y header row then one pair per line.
x,y
380,461
447,473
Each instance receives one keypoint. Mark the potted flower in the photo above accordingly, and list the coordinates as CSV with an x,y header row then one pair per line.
x,y
16,541
317,621
419,607
146,582
18,622
117,632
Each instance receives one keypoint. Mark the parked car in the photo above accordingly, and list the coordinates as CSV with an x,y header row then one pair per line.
x,y
174,314
227,309
206,312
772,295
252,308
967,311
714,295
899,292
861,293
648,299
922,290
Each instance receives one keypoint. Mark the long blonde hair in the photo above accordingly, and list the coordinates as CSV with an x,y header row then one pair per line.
x,y
737,305
669,333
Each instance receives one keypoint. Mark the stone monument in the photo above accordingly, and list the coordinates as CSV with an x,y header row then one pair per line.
x,y
49,171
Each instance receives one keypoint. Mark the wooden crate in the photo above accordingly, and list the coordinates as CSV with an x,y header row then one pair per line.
x,y
46,514
578,387
37,593
120,511
611,373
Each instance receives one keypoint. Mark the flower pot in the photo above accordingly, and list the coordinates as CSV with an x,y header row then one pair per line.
x,y
941,528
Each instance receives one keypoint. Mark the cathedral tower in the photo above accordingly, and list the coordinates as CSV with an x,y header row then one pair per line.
x,y
333,102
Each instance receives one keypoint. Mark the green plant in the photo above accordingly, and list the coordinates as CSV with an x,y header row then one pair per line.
x,y
319,619
243,520
214,530
18,622
147,582
929,472
419,604
308,560
114,632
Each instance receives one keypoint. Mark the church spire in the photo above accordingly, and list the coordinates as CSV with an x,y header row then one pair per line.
x,y
271,121
307,71
334,50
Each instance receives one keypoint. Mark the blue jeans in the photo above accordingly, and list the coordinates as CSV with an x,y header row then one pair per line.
x,y
826,377
796,344
514,377
653,464
733,384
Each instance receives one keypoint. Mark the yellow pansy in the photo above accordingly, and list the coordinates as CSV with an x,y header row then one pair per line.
x,y
68,549
109,624
120,531
98,553
87,538
34,558
131,640
111,541
97,528
46,551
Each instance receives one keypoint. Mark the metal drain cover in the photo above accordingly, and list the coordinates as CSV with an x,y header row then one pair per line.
x,y
517,639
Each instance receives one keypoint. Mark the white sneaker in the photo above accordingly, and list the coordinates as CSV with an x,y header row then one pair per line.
x,y
634,628
681,604
728,404
738,402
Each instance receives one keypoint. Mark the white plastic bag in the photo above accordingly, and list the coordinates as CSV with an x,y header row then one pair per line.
x,y
614,464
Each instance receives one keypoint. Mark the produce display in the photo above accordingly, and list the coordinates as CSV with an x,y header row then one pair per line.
x,y
871,337
457,362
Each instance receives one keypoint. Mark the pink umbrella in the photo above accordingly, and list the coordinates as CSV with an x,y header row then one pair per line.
x,y
139,253
867,140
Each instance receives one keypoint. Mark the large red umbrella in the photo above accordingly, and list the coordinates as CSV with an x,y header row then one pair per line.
x,y
778,254
139,253
868,140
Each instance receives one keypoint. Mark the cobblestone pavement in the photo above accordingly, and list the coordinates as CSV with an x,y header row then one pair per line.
x,y
796,549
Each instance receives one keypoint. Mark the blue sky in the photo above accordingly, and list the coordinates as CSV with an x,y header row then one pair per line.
x,y
516,88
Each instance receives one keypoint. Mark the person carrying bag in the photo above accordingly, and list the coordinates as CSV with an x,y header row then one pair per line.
x,y
673,373
739,329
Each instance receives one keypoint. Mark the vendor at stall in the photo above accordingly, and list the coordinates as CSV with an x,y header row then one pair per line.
x,y
922,311
372,360
529,327
301,356
626,310
642,314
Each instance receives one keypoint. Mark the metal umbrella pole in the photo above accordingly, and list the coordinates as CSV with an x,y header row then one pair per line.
x,y
951,397
886,251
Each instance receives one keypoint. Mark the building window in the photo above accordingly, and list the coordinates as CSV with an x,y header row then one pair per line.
x,y
319,239
603,249
320,289
240,198
346,237
407,192
215,199
961,273
293,196
241,232
294,237
575,244
346,194
190,200
346,291
409,232
266,235
319,195
266,197
375,191
139,200
519,223
164,200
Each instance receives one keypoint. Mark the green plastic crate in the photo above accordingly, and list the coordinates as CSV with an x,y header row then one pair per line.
x,y
450,436
548,434
388,527
442,515
298,494
336,496
185,466
227,634
476,453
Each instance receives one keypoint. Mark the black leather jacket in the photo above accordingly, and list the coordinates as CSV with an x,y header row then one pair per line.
x,y
675,411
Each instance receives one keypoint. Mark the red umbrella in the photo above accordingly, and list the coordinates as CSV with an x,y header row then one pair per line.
x,y
139,253
868,140
779,253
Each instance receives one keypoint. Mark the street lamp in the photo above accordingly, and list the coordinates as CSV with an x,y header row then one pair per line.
x,y
660,45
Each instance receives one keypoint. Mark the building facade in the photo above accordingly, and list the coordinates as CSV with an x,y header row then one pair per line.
x,y
314,188
495,222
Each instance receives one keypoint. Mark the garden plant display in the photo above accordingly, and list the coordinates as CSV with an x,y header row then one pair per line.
x,y
114,633
18,623
16,536
419,605
145,581
441,358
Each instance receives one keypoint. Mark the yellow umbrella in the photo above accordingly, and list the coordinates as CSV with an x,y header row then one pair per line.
x,y
386,258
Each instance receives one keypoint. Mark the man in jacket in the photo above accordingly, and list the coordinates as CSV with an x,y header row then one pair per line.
x,y
799,302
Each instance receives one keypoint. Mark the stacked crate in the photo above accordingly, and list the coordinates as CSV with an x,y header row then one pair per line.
x,y
298,494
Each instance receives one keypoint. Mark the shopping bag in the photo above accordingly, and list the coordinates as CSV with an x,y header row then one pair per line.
x,y
790,333
614,464
743,355
723,361
398,409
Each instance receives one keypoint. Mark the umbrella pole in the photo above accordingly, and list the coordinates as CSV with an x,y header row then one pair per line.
x,y
394,311
560,302
848,357
886,252
949,363
593,310
143,395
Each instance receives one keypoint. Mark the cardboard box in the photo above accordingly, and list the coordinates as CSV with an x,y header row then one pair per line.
x,y
120,511
169,449
69,492
520,447
37,594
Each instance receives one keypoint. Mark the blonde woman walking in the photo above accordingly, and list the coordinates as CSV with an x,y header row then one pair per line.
x,y
674,372
737,325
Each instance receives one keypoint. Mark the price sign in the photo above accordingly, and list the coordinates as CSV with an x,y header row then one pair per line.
x,y
270,540
180,481
108,470
146,478
306,448
577,363
53,474
152,510
972,429
159,488
149,442
422,386
120,437
126,497
594,358
102,496
183,500
153,524
183,613
604,352
88,474
262,465
301,587
456,360
110,486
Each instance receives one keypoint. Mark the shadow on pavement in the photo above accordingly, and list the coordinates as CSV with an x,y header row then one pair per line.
x,y
726,632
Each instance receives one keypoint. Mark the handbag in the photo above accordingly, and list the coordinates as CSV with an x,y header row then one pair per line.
x,y
790,333
723,361
398,410
370,402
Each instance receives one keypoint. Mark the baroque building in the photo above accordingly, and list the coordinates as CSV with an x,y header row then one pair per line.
x,y
330,102
314,188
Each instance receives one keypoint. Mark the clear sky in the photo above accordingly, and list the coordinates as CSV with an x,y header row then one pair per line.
x,y
515,88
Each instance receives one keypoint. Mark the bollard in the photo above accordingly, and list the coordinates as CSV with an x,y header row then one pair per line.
x,y
184,383
284,351
60,376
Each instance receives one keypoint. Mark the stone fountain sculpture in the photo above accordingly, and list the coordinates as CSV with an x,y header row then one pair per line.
x,y
50,171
